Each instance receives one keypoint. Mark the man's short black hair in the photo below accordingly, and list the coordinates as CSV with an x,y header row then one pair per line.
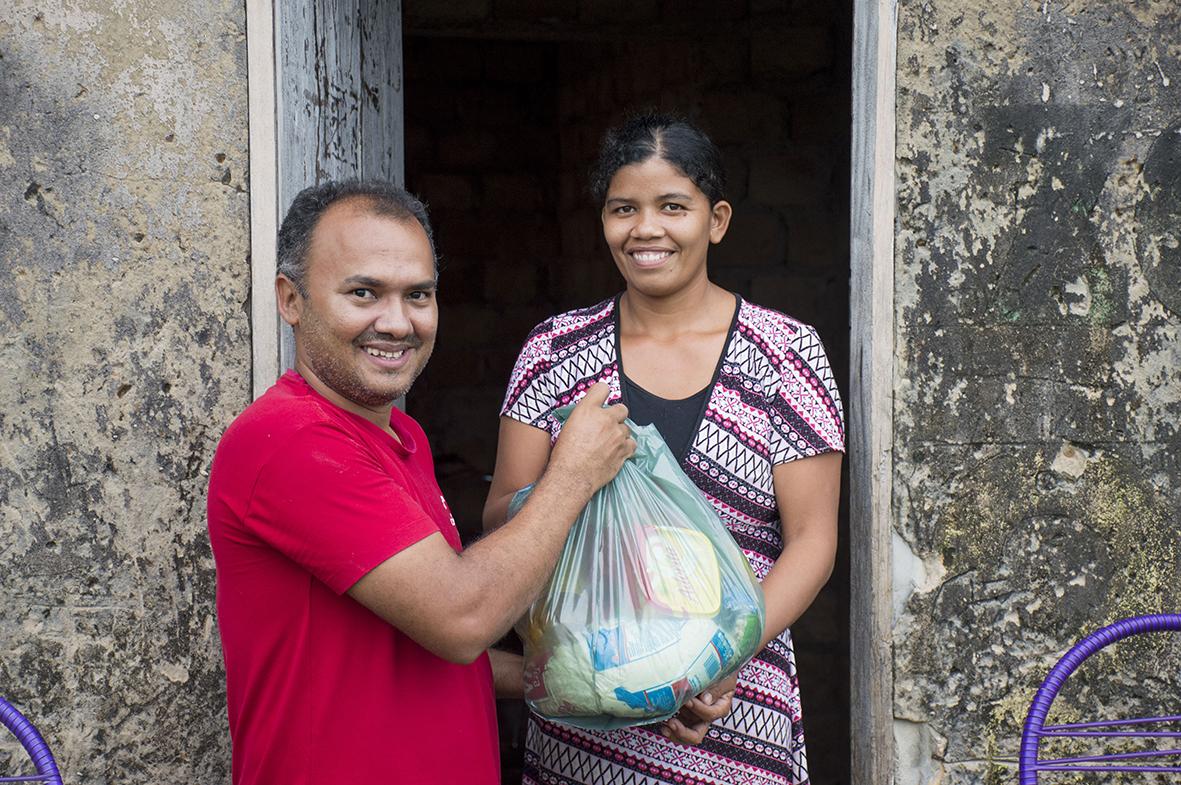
x,y
379,197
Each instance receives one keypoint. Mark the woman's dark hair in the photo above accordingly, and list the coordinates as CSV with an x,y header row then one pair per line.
x,y
671,138
379,197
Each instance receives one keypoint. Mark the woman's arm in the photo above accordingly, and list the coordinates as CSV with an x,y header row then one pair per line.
x,y
807,492
521,456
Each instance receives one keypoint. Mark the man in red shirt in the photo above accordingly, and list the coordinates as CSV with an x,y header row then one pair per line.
x,y
353,624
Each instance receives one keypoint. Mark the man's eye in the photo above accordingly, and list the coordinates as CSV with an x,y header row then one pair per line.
x,y
420,295
363,293
673,207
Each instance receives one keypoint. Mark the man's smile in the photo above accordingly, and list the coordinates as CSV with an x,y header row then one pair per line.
x,y
389,355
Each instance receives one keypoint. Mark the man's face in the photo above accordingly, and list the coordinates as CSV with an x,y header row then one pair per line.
x,y
367,325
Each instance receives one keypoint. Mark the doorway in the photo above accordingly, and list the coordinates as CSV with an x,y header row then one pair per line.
x,y
504,107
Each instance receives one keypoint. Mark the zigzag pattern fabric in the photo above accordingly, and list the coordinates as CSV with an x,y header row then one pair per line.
x,y
774,401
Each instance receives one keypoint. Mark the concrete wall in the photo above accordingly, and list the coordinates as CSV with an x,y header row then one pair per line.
x,y
125,345
1038,379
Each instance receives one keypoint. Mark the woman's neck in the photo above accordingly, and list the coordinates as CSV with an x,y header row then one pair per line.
x,y
700,307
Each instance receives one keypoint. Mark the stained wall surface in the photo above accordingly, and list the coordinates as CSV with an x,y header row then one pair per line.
x,y
1038,377
125,344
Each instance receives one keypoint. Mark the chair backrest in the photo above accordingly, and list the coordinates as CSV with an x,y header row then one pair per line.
x,y
33,744
1147,760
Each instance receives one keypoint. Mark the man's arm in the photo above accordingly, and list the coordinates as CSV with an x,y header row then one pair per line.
x,y
457,604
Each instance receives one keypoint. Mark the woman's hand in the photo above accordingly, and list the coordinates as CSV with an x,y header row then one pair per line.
x,y
693,720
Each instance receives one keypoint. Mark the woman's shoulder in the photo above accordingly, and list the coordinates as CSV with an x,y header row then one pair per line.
x,y
582,317
770,324
577,321
781,346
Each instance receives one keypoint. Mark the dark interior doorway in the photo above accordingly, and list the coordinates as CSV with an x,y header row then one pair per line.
x,y
505,101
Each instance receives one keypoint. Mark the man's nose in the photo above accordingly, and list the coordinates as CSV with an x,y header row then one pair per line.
x,y
394,319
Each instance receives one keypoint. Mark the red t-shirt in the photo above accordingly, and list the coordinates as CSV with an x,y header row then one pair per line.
x,y
304,499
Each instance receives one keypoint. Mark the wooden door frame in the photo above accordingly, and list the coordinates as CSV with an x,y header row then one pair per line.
x,y
264,194
871,370
319,110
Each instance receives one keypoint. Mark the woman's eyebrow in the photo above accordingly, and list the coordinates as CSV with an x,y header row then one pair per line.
x,y
674,196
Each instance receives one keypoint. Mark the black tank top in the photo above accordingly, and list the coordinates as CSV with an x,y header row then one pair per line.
x,y
676,420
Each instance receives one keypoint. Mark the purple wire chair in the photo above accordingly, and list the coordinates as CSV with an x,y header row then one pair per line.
x,y
34,745
1164,760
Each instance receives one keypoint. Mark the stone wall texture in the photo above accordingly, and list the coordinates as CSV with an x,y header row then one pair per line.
x,y
125,344
1037,469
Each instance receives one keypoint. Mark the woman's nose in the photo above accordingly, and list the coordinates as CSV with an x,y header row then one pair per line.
x,y
647,225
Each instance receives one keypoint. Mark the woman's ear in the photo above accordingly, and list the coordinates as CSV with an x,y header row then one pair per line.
x,y
719,220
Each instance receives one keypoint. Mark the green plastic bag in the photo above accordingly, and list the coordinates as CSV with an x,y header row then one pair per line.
x,y
650,603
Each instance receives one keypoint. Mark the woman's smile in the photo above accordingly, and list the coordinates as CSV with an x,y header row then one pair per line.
x,y
650,257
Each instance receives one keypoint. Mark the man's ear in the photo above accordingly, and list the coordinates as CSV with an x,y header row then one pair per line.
x,y
289,299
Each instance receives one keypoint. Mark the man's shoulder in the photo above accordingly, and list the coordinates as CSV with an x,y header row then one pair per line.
x,y
269,425
279,409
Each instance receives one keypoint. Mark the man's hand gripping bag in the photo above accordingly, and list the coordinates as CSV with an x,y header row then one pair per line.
x,y
650,603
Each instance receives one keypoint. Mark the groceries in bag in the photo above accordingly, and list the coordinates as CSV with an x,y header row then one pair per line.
x,y
651,601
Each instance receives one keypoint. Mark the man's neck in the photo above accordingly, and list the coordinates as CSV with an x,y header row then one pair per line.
x,y
379,416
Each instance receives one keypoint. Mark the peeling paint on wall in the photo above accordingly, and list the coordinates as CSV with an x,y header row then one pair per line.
x,y
1038,382
124,278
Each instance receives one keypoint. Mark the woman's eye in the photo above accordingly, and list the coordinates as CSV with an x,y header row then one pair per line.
x,y
626,209
672,207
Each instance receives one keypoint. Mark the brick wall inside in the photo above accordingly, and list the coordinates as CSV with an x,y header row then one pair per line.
x,y
505,106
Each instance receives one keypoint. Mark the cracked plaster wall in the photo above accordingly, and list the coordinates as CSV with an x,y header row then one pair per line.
x,y
124,243
1037,475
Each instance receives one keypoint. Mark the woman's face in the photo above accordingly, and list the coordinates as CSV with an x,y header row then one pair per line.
x,y
659,226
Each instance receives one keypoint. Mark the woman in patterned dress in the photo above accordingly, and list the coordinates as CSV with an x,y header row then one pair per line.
x,y
744,397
